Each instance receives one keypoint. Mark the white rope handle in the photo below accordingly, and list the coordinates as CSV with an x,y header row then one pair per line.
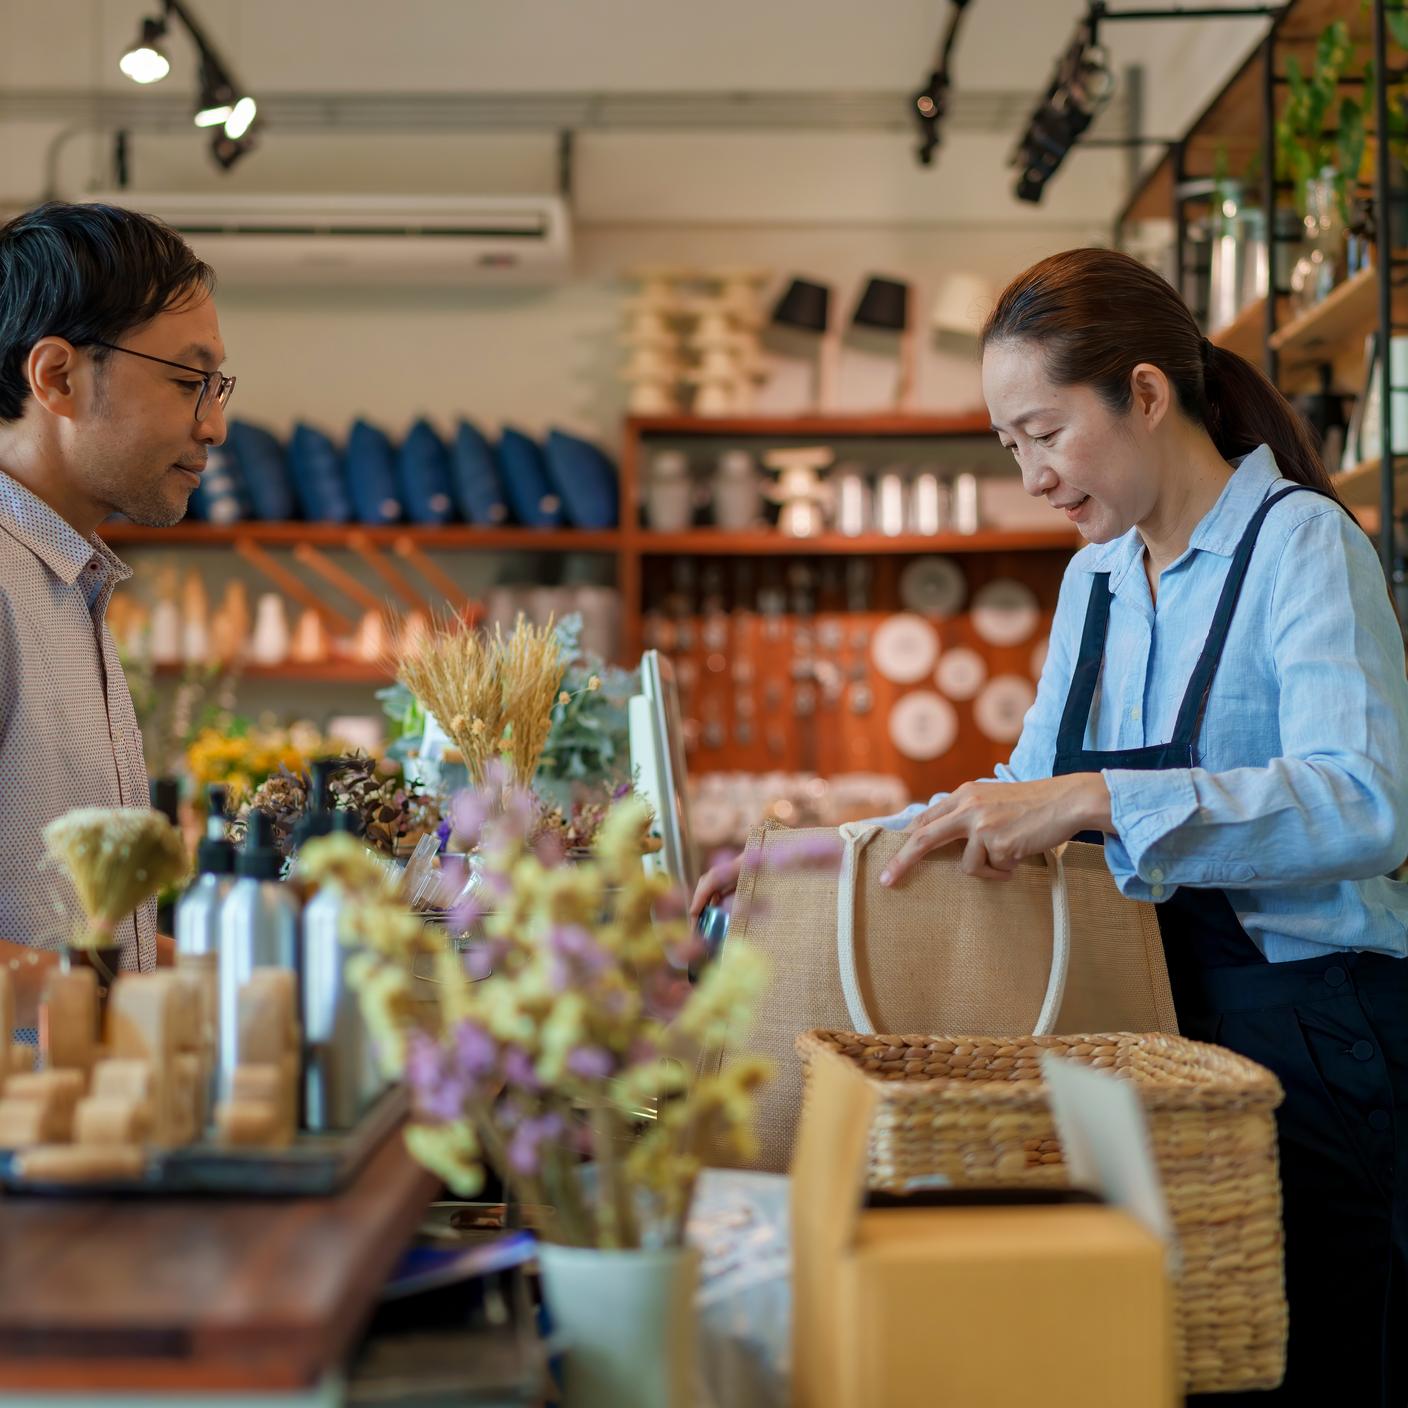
x,y
857,836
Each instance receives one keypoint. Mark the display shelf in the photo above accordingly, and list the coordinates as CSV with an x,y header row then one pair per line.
x,y
1359,485
1246,333
706,542
884,425
1321,334
450,535
294,671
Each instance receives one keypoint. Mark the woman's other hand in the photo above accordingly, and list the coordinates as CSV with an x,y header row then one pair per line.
x,y
1001,823
718,881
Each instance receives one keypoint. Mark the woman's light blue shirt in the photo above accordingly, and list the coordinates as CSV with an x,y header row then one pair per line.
x,y
1299,804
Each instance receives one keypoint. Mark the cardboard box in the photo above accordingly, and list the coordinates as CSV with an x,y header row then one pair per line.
x,y
931,1301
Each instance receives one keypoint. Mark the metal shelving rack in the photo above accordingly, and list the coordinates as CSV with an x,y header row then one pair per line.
x,y
1255,88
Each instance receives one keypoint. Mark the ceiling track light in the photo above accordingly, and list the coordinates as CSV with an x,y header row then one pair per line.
x,y
1081,86
931,101
146,62
223,107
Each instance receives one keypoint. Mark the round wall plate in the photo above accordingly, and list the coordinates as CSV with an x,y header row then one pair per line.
x,y
1001,707
934,586
961,672
923,725
904,648
1005,612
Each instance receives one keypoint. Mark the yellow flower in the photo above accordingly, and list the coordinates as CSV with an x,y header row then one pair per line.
x,y
594,684
452,1152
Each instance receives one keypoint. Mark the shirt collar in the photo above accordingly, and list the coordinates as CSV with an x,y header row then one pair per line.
x,y
51,538
1219,531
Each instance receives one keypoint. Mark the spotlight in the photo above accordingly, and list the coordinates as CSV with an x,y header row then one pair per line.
x,y
222,106
931,101
144,62
1079,89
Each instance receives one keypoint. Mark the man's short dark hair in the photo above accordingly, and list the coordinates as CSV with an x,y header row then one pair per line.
x,y
86,273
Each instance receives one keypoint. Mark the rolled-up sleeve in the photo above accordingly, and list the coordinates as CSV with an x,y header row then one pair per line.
x,y
1334,805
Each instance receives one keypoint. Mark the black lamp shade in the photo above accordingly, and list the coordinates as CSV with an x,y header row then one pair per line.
x,y
805,305
884,304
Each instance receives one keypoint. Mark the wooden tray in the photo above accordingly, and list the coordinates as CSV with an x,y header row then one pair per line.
x,y
314,1165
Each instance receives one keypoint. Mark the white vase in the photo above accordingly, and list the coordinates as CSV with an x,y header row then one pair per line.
x,y
626,1323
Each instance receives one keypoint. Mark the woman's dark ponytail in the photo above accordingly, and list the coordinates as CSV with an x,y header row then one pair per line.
x,y
1243,410
1097,314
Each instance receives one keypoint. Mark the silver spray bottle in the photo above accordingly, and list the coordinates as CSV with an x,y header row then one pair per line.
x,y
258,929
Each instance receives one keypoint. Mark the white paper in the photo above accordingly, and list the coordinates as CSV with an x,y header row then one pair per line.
x,y
1105,1141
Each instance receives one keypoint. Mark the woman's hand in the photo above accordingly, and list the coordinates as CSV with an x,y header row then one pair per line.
x,y
714,884
1004,822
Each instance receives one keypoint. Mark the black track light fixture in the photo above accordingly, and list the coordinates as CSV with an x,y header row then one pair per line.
x,y
223,106
930,103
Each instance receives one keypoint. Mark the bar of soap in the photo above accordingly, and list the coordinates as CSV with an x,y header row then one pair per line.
x,y
25,1123
81,1163
21,1057
250,1124
129,1078
64,1086
260,1084
111,1120
143,1016
68,1020
268,1016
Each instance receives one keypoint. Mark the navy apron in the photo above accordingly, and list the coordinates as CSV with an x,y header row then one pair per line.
x,y
1335,1032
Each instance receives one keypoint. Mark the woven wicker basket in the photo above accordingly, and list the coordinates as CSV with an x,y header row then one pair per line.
x,y
973,1111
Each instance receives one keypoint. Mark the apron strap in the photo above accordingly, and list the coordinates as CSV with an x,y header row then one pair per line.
x,y
1195,698
1081,696
857,836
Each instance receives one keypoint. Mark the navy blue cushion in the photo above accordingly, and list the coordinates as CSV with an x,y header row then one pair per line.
x,y
530,494
584,478
371,475
318,480
220,496
423,471
263,471
476,478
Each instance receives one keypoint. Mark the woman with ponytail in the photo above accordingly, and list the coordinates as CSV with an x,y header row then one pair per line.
x,y
1224,706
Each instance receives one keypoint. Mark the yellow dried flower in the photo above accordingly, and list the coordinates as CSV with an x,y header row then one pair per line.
x,y
450,1150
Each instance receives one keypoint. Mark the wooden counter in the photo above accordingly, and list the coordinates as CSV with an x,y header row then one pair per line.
x,y
198,1293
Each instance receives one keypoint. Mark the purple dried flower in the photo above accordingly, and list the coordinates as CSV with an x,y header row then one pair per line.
x,y
519,1069
475,1050
470,812
524,1149
549,850
479,959
443,832
591,1062
438,1090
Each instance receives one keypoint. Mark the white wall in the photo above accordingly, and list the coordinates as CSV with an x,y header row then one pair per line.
x,y
833,207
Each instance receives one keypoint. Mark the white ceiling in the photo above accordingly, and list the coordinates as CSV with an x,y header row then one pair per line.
x,y
629,46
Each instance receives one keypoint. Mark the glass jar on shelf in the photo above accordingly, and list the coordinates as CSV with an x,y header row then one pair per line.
x,y
1321,265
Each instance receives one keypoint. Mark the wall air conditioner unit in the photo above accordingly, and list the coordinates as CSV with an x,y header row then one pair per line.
x,y
438,241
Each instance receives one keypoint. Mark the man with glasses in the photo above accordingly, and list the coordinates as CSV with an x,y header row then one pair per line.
x,y
111,396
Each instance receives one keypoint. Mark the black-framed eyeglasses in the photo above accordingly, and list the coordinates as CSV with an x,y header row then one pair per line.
x,y
216,387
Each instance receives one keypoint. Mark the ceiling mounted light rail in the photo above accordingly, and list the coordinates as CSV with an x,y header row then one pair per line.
x,y
1082,84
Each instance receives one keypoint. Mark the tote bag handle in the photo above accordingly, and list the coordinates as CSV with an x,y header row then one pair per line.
x,y
857,836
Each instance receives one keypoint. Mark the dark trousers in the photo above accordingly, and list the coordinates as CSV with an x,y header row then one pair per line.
x,y
1335,1032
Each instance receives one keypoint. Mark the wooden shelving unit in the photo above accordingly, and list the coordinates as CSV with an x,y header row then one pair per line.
x,y
296,672
1246,333
451,536
1322,349
708,543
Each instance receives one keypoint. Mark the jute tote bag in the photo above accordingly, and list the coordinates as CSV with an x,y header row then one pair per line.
x,y
1056,948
